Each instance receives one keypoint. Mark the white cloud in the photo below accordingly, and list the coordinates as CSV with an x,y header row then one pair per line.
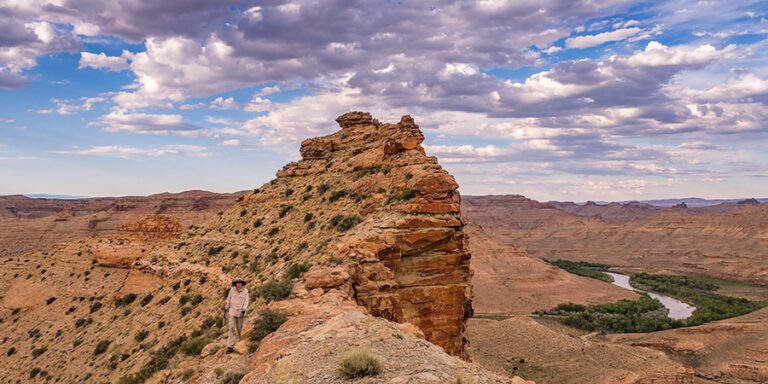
x,y
63,107
266,91
104,62
158,124
657,55
552,49
258,104
588,41
222,103
127,152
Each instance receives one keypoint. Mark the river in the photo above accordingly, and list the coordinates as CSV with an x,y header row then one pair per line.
x,y
678,310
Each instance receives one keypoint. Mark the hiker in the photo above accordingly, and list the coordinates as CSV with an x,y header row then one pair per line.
x,y
237,303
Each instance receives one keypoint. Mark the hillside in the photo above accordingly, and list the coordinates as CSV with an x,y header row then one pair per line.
x,y
726,240
359,244
28,224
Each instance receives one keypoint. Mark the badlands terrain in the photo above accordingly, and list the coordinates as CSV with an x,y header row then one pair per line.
x,y
364,243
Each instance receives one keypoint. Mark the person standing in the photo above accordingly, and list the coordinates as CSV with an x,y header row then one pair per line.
x,y
237,303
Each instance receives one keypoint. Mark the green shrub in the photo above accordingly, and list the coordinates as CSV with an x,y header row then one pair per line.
x,y
274,290
34,372
125,300
322,188
101,347
95,306
50,300
15,311
185,310
215,249
11,351
360,363
158,361
183,299
345,223
408,176
232,378
284,210
187,374
309,216
197,299
335,196
141,335
297,270
403,195
38,351
193,346
268,322
146,299
163,300
258,223
273,231
243,212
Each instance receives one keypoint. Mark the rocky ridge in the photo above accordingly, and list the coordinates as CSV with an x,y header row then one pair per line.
x,y
364,232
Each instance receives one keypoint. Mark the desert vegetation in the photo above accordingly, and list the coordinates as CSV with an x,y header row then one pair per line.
x,y
642,315
646,314
584,268
360,362
710,306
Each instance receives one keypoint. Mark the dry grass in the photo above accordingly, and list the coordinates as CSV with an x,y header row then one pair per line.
x,y
360,362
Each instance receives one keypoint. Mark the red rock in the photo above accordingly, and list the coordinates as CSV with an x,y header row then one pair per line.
x,y
325,278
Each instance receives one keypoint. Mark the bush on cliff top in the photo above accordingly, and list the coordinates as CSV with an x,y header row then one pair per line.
x,y
360,363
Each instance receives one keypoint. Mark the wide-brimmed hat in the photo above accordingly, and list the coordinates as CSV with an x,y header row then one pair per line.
x,y
235,281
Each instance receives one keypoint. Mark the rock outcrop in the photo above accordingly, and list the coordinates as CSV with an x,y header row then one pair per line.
x,y
407,261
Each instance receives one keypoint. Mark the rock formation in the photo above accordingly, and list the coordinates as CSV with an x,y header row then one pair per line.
x,y
360,243
407,259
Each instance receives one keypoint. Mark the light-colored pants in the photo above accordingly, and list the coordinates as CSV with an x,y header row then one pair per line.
x,y
235,327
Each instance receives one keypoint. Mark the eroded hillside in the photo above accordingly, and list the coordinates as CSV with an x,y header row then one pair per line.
x,y
35,224
359,244
727,240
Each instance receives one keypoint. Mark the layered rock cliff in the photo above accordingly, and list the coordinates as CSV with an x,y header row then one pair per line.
x,y
375,212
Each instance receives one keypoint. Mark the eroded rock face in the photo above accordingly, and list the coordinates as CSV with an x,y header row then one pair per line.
x,y
411,264
153,227
392,214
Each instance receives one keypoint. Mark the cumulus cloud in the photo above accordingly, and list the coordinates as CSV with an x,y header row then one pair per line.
x,y
304,39
104,62
26,42
224,103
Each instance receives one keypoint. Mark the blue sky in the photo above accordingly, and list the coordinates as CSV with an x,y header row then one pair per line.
x,y
558,99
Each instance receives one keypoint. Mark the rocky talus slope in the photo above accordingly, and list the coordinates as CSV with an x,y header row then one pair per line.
x,y
358,245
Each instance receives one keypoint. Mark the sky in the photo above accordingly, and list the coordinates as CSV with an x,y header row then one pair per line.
x,y
567,100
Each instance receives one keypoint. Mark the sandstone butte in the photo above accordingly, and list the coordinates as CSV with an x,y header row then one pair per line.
x,y
374,220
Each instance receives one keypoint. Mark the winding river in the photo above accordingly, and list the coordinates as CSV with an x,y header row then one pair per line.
x,y
678,310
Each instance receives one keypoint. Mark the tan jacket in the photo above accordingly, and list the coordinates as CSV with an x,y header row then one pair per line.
x,y
237,302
